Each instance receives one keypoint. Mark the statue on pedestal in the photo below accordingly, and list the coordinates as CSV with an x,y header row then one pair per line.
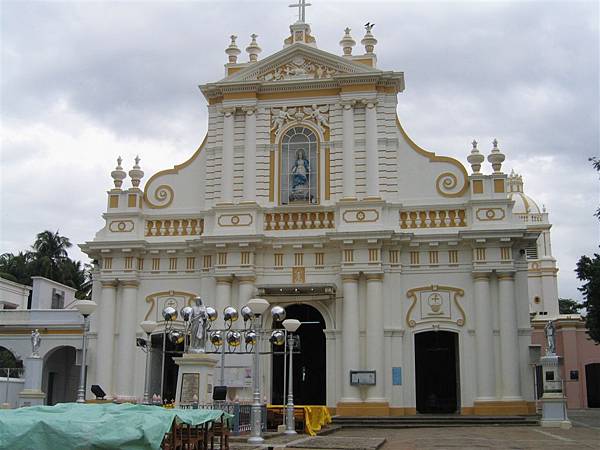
x,y
550,332
198,327
36,340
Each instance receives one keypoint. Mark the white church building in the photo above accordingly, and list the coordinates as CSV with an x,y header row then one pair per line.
x,y
308,192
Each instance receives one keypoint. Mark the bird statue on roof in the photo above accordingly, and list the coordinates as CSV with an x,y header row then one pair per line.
x,y
369,26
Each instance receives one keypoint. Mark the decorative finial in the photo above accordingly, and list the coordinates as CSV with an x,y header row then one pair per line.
x,y
347,42
496,157
475,158
233,51
369,40
136,174
253,49
543,208
118,175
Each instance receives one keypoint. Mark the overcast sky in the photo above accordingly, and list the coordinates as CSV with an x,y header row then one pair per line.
x,y
83,82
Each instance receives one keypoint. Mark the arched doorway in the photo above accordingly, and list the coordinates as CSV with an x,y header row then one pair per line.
x,y
309,375
592,384
437,372
60,377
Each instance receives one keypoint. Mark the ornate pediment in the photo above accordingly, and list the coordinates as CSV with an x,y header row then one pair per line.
x,y
300,62
299,68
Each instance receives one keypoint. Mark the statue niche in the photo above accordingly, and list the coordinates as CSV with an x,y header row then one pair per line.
x,y
299,167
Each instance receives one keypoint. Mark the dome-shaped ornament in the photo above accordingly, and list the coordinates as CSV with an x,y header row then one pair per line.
x,y
186,313
216,338
212,313
169,314
277,337
278,313
234,338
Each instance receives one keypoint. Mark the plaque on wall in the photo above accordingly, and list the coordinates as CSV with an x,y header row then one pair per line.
x,y
362,377
190,385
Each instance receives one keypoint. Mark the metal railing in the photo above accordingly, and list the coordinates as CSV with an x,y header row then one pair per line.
x,y
240,423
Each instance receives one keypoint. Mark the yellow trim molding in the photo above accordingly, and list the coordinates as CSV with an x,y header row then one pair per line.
x,y
446,180
165,192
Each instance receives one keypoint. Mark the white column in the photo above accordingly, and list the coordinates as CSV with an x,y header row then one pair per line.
x,y
348,151
223,300
250,155
372,159
105,343
509,338
246,291
375,337
227,160
128,325
350,337
484,338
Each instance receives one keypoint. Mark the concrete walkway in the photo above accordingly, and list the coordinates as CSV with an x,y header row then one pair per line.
x,y
585,434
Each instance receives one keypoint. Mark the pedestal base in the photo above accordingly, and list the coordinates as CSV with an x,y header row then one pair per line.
x,y
195,378
554,411
503,408
31,397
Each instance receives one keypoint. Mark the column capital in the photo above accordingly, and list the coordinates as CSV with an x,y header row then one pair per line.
x,y
370,103
348,104
227,111
506,276
247,279
374,276
481,275
129,283
249,110
349,277
109,283
223,280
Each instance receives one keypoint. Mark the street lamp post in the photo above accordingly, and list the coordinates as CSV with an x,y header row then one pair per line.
x,y
85,308
291,325
258,306
148,326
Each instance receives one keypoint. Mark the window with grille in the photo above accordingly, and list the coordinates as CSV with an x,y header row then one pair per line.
x,y
299,167
531,252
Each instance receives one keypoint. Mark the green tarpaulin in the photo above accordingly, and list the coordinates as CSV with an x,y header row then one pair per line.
x,y
93,426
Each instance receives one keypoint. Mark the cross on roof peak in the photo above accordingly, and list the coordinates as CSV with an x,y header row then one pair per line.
x,y
301,5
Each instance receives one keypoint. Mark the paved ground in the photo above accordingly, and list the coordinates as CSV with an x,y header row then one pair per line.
x,y
585,434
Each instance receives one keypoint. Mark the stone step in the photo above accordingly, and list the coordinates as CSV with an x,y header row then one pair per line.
x,y
433,421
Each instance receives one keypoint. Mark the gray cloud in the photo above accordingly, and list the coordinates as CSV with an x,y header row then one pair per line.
x,y
83,82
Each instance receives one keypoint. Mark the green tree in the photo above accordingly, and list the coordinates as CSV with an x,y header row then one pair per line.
x,y
48,258
588,270
568,306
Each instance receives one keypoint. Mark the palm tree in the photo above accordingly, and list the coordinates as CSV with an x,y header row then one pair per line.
x,y
17,267
51,245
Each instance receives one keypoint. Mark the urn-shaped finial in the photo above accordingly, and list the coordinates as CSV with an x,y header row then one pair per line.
x,y
496,157
347,42
253,49
475,158
118,175
233,50
369,40
136,174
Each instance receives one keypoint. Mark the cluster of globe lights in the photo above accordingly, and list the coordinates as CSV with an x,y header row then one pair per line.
x,y
233,338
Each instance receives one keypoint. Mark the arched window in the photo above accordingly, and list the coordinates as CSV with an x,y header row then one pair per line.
x,y
299,167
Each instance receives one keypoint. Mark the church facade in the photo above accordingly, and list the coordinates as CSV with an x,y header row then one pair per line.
x,y
411,271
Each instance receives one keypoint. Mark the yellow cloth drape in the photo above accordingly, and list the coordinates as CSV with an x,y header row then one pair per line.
x,y
315,416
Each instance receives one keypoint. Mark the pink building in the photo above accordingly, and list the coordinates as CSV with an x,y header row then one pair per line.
x,y
581,359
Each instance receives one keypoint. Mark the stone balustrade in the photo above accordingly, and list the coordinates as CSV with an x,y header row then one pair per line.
x,y
441,218
299,220
174,227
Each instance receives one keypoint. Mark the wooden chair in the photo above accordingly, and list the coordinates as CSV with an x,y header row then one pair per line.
x,y
220,429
